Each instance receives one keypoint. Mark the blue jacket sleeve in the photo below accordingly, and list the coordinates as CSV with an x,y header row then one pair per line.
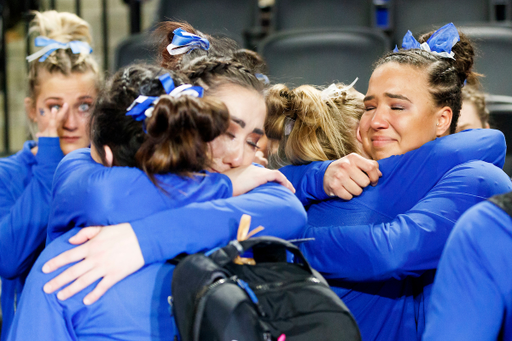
x,y
215,223
440,155
413,241
86,193
23,227
472,288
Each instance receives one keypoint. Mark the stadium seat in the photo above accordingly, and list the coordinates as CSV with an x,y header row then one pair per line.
x,y
321,56
139,47
293,14
500,108
217,17
419,16
494,56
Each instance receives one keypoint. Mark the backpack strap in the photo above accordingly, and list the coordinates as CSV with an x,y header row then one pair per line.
x,y
235,248
503,201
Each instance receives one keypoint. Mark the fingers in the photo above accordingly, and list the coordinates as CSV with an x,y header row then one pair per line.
x,y
370,167
277,176
348,176
80,283
85,234
54,120
66,277
102,287
70,256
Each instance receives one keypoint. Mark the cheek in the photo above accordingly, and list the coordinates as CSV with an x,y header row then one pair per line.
x,y
218,147
364,125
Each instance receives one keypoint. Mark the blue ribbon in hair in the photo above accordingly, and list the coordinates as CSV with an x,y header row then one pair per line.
x,y
185,42
51,45
142,107
440,42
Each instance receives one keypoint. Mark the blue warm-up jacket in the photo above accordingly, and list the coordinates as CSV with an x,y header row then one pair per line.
x,y
25,195
472,294
379,250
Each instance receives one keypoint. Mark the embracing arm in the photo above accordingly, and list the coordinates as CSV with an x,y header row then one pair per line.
x,y
114,252
215,223
412,242
345,177
24,219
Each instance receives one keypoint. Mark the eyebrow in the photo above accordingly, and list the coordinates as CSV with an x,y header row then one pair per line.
x,y
241,123
238,121
60,99
387,94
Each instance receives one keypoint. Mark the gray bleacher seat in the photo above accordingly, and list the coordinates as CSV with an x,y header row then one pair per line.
x,y
217,17
292,14
416,15
321,56
494,56
139,47
500,108
229,18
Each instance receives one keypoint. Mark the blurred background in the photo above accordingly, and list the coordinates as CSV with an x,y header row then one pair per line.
x,y
303,41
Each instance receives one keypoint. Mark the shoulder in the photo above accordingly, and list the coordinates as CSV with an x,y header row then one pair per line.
x,y
17,167
481,220
478,177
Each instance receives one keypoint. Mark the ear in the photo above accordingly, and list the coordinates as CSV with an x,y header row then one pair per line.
x,y
358,134
30,109
443,121
109,156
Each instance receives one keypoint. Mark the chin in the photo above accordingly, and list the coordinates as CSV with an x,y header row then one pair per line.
x,y
69,147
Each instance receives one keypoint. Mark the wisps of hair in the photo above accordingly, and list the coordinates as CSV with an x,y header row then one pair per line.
x,y
318,130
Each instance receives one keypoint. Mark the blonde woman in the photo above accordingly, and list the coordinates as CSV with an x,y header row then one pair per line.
x,y
63,81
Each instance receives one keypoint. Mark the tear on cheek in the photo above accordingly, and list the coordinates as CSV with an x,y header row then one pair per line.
x,y
41,112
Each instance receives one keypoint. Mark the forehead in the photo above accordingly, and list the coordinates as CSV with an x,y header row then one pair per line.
x,y
398,78
245,104
66,86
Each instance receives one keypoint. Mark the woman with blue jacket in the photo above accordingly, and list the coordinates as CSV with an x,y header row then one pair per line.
x,y
380,250
63,83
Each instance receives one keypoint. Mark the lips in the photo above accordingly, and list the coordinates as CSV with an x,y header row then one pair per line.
x,y
70,139
381,141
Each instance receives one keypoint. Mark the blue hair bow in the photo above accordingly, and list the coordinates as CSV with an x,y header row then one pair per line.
x,y
185,42
51,45
439,43
142,107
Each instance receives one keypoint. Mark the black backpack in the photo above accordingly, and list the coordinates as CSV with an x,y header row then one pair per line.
x,y
215,299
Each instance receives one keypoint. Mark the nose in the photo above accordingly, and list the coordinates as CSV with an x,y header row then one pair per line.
x,y
70,121
379,119
234,156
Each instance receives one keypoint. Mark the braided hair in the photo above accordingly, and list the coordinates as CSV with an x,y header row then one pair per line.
x,y
211,73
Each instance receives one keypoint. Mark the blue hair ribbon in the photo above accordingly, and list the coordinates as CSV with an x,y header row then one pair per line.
x,y
142,106
51,45
185,42
263,78
440,42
